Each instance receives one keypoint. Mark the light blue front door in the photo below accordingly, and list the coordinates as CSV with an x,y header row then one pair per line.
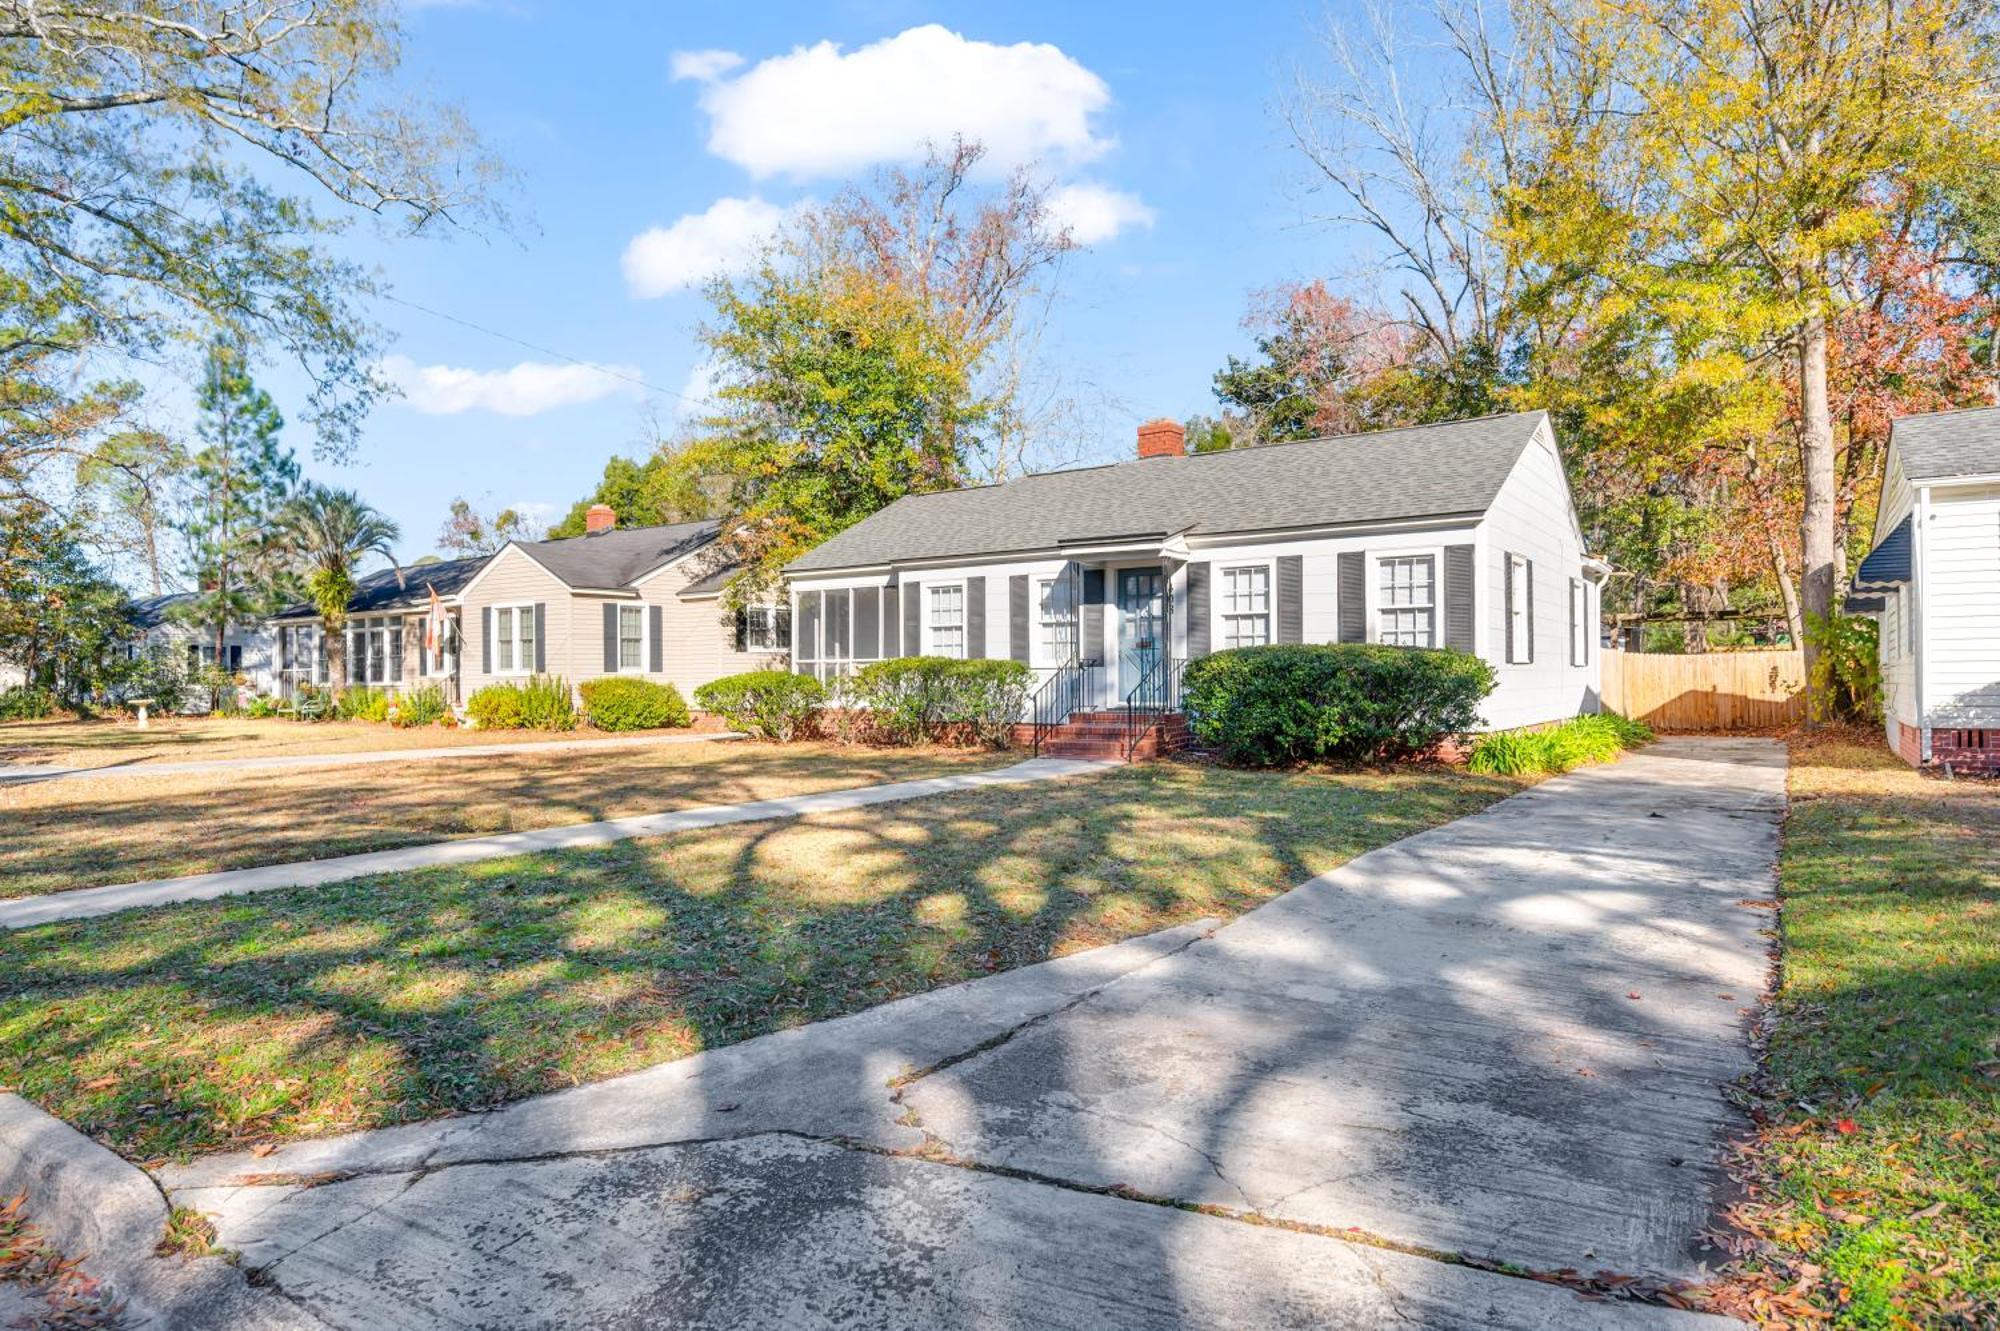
x,y
1141,624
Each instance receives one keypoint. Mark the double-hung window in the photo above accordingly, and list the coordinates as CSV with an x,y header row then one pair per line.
x,y
1056,619
375,651
514,639
1246,606
947,620
766,629
1406,611
631,637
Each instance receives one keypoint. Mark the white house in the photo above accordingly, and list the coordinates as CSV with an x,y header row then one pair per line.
x,y
247,648
1933,583
1105,580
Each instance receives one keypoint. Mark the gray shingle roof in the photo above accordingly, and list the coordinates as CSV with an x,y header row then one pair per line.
x,y
1421,471
152,611
383,591
1949,443
617,557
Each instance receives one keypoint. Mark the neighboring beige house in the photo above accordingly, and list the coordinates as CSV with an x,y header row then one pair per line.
x,y
639,601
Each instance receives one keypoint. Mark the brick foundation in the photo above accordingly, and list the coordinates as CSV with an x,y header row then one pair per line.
x,y
1966,750
1909,744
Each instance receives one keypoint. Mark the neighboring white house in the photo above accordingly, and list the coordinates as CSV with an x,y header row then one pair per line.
x,y
246,648
1457,535
1933,583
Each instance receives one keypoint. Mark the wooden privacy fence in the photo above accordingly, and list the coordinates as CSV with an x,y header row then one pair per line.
x,y
1707,690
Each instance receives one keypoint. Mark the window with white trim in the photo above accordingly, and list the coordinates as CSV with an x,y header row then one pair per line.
x,y
1406,607
375,651
947,620
1246,606
514,639
1579,623
766,629
631,637
1520,636
1056,619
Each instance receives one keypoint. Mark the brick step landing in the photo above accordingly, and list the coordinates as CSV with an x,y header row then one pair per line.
x,y
1101,736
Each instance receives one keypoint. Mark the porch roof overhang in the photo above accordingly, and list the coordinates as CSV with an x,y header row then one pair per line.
x,y
1888,565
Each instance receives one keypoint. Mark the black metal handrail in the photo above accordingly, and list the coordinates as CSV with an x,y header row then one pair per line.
x,y
1060,695
1156,694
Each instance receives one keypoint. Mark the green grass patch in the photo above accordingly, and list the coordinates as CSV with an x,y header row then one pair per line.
x,y
1875,1176
1587,739
192,1028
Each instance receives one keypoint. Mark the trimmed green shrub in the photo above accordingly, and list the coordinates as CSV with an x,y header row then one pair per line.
x,y
1263,706
547,703
622,702
1587,739
919,699
773,703
422,706
262,707
495,707
27,702
362,702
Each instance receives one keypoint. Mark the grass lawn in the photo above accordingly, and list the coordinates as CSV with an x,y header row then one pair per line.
x,y
1877,1173
193,1028
80,832
187,739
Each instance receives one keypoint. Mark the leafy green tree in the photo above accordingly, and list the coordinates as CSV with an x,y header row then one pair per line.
x,y
239,477
325,536
62,621
678,481
132,484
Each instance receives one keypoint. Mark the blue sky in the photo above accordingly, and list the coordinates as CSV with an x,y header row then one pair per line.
x,y
1163,115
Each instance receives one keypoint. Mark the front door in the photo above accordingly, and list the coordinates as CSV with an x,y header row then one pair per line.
x,y
1141,624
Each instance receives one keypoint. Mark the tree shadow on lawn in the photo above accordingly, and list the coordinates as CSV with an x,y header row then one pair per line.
x,y
312,1011
61,837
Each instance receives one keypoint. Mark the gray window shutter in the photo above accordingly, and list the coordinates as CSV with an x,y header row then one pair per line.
x,y
541,637
742,630
1528,571
1352,573
654,638
610,638
913,609
807,647
1092,647
975,618
1198,610
867,624
485,641
1291,598
892,623
1017,617
1458,610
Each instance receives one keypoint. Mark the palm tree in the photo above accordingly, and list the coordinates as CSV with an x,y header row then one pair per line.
x,y
325,533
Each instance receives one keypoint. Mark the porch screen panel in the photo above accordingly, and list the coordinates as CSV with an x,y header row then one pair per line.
x,y
867,623
892,622
1291,598
1092,647
1353,579
1198,608
975,618
1458,608
913,618
1017,617
838,613
805,647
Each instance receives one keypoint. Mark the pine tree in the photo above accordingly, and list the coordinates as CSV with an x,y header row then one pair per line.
x,y
241,476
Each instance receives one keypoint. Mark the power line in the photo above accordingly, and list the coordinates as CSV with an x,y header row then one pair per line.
x,y
544,351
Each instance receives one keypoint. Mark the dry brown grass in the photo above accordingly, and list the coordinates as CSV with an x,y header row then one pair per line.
x,y
180,739
82,832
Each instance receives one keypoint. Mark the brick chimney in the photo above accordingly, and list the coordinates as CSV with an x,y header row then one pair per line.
x,y
599,517
1162,438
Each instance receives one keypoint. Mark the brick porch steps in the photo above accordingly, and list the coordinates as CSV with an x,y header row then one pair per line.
x,y
1101,736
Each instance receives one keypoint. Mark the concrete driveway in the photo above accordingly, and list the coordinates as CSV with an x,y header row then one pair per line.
x,y
1505,1039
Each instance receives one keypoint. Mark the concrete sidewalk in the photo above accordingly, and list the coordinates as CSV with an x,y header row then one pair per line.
x,y
363,758
1506,1038
86,902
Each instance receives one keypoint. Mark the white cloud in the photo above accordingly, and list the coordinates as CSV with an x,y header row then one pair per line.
x,y
1095,213
819,111
528,389
723,240
702,66
697,397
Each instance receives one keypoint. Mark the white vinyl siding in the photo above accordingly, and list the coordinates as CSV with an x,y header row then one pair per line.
x,y
1246,605
1407,601
1958,593
946,616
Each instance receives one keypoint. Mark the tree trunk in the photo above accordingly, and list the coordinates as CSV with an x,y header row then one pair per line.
x,y
336,657
1816,520
1788,590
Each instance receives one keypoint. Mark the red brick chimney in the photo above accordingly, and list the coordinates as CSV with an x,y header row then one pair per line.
x,y
599,517
1162,438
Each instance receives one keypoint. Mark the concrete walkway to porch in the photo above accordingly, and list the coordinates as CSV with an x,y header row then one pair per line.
x,y
362,758
87,902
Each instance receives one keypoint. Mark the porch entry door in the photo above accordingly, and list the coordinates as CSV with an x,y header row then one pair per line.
x,y
1141,625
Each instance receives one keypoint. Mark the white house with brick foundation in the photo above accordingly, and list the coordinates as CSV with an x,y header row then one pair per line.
x,y
1107,580
1933,584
